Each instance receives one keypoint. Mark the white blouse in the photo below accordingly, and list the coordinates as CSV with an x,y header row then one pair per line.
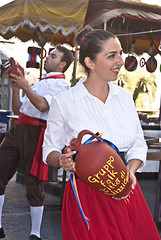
x,y
76,110
46,88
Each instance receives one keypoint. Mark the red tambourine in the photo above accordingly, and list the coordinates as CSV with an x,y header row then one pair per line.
x,y
151,64
14,67
131,63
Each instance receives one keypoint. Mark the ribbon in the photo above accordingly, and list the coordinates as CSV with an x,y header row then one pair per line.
x,y
127,201
61,75
100,140
39,168
74,186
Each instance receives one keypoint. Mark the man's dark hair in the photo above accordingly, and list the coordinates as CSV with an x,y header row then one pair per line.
x,y
67,56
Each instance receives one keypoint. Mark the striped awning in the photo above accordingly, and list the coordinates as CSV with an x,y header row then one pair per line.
x,y
43,20
130,20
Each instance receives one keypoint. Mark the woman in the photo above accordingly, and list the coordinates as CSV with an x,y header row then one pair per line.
x,y
97,104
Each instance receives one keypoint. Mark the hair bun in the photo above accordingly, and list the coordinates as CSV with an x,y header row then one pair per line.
x,y
81,35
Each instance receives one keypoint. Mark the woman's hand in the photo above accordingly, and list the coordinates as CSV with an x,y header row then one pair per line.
x,y
66,160
133,180
133,185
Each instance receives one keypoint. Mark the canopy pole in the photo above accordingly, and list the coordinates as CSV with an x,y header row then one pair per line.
x,y
74,80
41,43
105,26
41,62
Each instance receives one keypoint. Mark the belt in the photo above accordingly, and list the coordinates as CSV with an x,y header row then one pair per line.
x,y
122,155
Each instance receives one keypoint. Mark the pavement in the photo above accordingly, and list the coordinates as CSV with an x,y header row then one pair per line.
x,y
16,216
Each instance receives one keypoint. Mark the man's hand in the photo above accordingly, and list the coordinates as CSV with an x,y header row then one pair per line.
x,y
18,81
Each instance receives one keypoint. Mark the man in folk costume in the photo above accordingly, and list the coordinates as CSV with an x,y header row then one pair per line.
x,y
22,143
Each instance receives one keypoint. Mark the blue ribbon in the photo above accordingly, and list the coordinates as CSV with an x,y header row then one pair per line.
x,y
72,176
100,140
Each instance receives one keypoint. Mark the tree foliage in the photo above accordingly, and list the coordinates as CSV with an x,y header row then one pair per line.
x,y
142,85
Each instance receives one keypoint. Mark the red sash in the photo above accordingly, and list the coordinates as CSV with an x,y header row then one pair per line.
x,y
61,76
38,168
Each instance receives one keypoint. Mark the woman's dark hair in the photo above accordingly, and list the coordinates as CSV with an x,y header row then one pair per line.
x,y
90,42
67,56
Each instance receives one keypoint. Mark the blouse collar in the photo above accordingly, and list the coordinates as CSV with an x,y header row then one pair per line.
x,y
80,91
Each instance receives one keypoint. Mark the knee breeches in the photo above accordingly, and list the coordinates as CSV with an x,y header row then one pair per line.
x,y
18,147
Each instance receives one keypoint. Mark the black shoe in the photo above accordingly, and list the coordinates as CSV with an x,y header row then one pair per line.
x,y
2,235
34,237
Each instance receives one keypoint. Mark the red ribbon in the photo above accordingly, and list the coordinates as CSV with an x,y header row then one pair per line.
x,y
127,201
61,75
39,168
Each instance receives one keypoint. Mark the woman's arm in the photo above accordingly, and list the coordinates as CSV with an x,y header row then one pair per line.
x,y
55,159
133,165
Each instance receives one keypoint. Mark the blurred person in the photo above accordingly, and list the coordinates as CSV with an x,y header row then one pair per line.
x,y
22,143
98,105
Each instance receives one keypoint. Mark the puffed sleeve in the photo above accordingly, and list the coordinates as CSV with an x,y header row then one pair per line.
x,y
54,89
54,138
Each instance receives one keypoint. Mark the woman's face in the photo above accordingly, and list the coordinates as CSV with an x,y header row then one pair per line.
x,y
108,62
